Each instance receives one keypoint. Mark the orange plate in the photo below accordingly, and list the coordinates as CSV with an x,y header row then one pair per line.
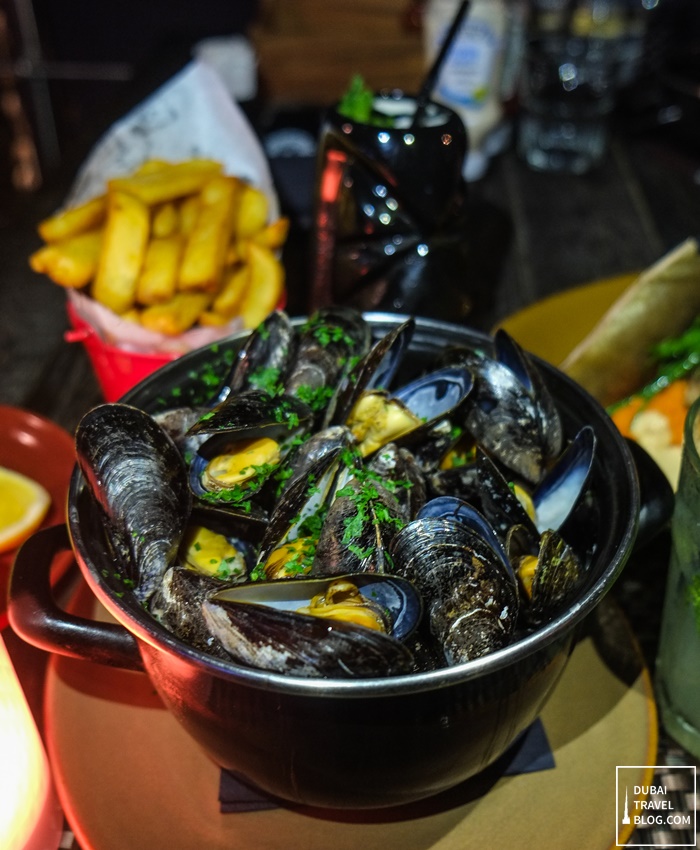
x,y
38,448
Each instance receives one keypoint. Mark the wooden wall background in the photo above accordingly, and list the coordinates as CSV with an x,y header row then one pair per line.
x,y
309,49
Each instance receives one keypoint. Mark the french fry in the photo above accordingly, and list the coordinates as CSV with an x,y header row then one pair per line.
x,y
158,279
205,250
232,290
157,185
266,285
210,319
177,315
148,166
71,262
274,235
235,252
166,220
123,251
188,211
73,221
171,245
251,212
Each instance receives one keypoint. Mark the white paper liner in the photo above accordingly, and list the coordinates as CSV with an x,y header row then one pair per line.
x,y
190,116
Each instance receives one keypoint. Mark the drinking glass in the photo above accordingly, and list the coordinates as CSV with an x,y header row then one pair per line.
x,y
678,661
567,94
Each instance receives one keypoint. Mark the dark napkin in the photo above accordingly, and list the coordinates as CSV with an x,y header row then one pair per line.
x,y
530,753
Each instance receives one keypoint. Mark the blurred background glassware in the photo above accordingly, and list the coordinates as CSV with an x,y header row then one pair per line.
x,y
678,660
390,219
579,54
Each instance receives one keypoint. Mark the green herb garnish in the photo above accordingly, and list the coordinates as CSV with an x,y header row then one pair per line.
x,y
357,104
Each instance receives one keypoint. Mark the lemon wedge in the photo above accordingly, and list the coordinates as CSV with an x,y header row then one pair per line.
x,y
23,506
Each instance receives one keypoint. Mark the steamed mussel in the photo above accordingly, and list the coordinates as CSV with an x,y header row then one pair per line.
x,y
320,515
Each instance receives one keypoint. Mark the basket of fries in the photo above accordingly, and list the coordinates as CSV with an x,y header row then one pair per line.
x,y
162,251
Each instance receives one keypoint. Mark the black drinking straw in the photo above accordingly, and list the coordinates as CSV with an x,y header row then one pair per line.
x,y
435,68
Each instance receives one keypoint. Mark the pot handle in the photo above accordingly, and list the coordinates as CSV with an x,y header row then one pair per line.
x,y
655,492
36,618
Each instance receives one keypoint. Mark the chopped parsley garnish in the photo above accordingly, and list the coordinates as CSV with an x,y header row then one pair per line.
x,y
267,379
369,507
316,398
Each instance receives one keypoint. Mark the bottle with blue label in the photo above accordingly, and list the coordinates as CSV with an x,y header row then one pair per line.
x,y
472,77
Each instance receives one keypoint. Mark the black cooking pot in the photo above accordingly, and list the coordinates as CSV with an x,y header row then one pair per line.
x,y
359,744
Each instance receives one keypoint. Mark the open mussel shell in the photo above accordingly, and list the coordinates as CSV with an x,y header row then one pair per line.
x,y
303,500
558,494
405,415
398,599
138,477
435,395
301,645
247,524
376,370
499,504
253,413
555,572
521,364
554,501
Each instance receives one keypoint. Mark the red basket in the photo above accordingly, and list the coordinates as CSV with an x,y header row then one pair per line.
x,y
117,370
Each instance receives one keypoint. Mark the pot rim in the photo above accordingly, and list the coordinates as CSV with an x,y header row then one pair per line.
x,y
140,623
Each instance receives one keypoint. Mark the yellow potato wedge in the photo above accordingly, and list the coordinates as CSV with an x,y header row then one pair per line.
x,y
274,235
266,285
73,221
157,185
158,279
205,250
228,300
72,262
123,251
251,212
177,315
166,220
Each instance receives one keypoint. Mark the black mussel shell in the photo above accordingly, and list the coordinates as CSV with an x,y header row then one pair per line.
x,y
177,605
269,349
250,414
376,370
138,477
397,597
301,645
402,475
